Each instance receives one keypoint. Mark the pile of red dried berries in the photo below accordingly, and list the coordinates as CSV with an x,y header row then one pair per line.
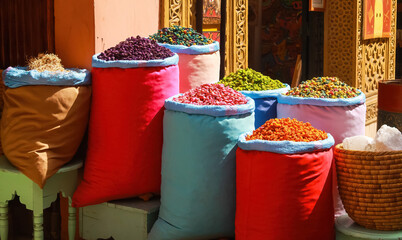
x,y
212,94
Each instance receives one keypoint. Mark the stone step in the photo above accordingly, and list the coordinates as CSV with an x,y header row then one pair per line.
x,y
347,229
121,219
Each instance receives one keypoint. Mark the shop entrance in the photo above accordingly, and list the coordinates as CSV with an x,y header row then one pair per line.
x,y
285,39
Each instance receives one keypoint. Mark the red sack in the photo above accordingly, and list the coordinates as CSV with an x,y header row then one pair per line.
x,y
125,132
284,196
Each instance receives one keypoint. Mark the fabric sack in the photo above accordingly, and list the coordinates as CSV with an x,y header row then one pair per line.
x,y
199,64
198,170
125,128
265,103
44,119
283,190
344,117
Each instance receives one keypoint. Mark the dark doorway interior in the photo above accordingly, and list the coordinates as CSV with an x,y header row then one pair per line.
x,y
26,29
280,31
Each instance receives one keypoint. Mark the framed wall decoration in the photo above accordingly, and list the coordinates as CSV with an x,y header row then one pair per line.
x,y
377,19
211,19
317,5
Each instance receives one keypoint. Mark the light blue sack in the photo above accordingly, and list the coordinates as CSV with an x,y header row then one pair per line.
x,y
99,63
265,103
192,50
198,170
19,76
284,147
291,100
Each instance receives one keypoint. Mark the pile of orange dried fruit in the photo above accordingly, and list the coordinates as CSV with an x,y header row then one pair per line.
x,y
286,129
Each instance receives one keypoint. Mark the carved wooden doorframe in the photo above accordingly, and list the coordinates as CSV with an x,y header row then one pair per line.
x,y
182,12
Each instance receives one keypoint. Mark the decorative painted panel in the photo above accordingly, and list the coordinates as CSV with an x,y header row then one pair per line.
x,y
376,18
211,19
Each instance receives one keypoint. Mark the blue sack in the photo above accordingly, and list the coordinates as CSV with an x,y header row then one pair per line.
x,y
99,63
333,102
192,50
265,103
19,76
198,171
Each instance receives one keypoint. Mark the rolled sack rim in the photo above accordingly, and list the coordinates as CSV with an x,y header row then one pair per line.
x,y
290,100
20,76
194,49
284,147
99,63
266,93
211,110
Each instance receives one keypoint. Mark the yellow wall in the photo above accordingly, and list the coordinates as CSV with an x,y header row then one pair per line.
x,y
86,27
117,20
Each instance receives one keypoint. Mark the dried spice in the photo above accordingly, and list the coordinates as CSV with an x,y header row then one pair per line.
x,y
286,129
136,48
178,35
250,80
323,87
46,62
212,94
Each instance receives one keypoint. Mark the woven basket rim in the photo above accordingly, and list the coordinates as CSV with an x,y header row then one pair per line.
x,y
371,195
374,209
352,170
365,213
372,190
390,222
345,195
389,206
339,147
354,164
368,181
379,178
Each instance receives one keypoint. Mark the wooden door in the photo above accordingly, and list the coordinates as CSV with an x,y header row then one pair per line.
x,y
26,29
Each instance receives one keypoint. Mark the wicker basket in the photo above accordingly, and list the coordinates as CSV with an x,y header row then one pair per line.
x,y
370,185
